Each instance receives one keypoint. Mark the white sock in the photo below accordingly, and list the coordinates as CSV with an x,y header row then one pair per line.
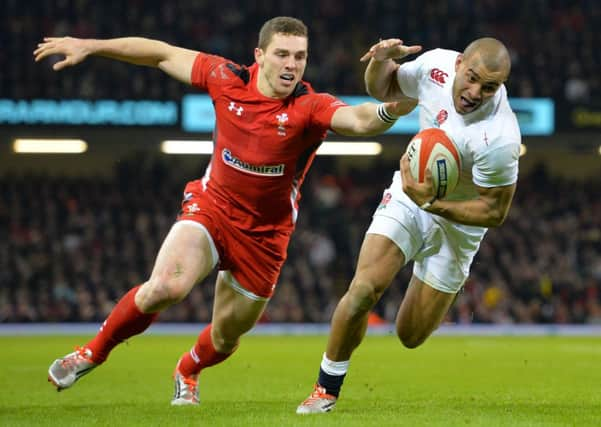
x,y
334,368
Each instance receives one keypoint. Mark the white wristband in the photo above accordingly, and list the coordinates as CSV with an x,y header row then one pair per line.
x,y
384,115
429,203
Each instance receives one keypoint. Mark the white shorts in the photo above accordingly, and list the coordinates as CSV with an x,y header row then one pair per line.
x,y
442,250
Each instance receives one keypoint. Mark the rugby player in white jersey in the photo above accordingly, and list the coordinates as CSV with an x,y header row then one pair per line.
x,y
463,94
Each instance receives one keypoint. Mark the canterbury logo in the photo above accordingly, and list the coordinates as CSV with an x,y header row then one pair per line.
x,y
438,75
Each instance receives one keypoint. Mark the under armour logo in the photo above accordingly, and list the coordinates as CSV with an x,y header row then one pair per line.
x,y
233,107
438,75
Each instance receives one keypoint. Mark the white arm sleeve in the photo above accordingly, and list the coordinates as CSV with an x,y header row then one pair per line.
x,y
410,73
498,166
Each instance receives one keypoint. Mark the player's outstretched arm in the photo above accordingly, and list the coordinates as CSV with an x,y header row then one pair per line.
x,y
488,210
380,74
368,118
173,60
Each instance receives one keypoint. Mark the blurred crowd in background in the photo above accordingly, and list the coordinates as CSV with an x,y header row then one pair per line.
x,y
553,43
70,247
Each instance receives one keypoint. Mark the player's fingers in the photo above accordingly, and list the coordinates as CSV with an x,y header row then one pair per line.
x,y
382,46
387,45
392,48
410,50
42,45
61,64
39,55
428,175
366,56
390,42
45,51
41,48
404,166
428,180
406,177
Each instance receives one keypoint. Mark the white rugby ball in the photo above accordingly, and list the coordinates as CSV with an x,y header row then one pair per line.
x,y
433,149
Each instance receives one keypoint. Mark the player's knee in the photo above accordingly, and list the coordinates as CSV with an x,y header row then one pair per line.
x,y
362,295
158,294
410,338
411,342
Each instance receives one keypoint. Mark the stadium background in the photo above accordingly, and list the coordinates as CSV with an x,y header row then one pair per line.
x,y
76,231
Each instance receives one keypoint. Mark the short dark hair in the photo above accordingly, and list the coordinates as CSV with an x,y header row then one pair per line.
x,y
493,53
281,25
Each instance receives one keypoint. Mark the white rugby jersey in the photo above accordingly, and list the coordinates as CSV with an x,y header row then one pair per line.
x,y
488,139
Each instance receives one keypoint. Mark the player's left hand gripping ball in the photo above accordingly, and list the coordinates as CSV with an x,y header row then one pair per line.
x,y
432,149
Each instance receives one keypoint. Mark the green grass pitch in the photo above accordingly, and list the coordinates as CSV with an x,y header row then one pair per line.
x,y
449,381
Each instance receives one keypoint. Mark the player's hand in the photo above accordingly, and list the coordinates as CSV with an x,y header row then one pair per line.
x,y
420,193
74,51
389,49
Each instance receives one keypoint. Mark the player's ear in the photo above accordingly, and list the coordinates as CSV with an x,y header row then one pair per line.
x,y
458,61
259,56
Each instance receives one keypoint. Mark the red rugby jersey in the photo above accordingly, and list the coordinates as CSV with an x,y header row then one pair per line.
x,y
263,146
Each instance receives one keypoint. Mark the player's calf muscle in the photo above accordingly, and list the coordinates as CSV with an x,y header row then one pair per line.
x,y
225,344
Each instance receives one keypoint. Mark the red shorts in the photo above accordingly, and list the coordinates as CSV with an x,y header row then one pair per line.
x,y
254,258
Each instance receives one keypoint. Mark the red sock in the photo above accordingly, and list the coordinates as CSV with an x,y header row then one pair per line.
x,y
126,320
201,356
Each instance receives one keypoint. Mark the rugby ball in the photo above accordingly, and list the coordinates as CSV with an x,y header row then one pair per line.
x,y
433,149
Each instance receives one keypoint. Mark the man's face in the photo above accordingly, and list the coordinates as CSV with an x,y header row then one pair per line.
x,y
474,83
281,65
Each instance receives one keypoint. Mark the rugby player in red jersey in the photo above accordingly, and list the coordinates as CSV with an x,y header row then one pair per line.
x,y
240,215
